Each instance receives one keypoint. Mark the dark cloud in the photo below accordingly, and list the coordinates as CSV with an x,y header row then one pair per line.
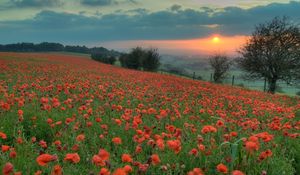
x,y
142,24
36,3
98,2
175,7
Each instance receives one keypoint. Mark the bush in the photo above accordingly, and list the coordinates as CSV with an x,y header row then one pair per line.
x,y
135,58
123,60
151,60
138,58
103,58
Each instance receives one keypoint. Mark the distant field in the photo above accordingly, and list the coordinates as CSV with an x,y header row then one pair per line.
x,y
201,68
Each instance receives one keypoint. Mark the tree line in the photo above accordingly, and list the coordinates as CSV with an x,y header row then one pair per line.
x,y
55,47
138,58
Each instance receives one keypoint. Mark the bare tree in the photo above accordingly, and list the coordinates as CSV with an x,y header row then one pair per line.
x,y
272,52
220,65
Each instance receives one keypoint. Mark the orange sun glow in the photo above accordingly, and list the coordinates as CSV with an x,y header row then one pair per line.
x,y
216,39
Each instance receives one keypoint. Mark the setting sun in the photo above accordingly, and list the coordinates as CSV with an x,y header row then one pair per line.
x,y
216,39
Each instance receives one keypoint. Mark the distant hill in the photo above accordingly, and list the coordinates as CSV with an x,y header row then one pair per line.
x,y
55,47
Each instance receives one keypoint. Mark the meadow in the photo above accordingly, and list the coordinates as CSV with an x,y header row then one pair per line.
x,y
65,114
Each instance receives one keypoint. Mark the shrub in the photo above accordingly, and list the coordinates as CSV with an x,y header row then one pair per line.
x,y
103,58
151,60
139,58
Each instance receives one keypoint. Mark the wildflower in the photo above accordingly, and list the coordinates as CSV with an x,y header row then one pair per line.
x,y
103,154
253,139
80,137
160,144
194,152
196,171
118,122
49,121
19,140
126,158
75,147
5,148
33,139
98,161
98,119
43,144
175,145
143,167
265,136
20,112
265,154
155,159
3,135
127,168
119,171
104,171
220,123
222,168
57,170
7,168
237,172
13,153
117,140
208,128
233,134
57,142
201,147
251,146
72,157
39,172
100,158
44,159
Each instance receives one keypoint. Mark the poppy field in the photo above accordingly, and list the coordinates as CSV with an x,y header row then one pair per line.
x,y
64,114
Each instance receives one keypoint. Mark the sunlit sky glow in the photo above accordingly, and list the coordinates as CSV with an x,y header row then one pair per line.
x,y
205,45
174,26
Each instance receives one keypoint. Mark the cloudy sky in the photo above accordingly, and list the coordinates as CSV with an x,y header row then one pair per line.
x,y
174,26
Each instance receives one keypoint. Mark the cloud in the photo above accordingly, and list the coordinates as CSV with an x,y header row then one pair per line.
x,y
142,24
106,2
36,3
98,2
175,7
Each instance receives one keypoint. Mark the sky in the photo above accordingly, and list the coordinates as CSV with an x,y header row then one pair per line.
x,y
172,26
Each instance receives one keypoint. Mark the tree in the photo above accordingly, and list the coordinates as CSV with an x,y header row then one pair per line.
x,y
135,58
78,49
272,52
103,58
139,58
123,60
151,60
49,47
220,65
112,60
